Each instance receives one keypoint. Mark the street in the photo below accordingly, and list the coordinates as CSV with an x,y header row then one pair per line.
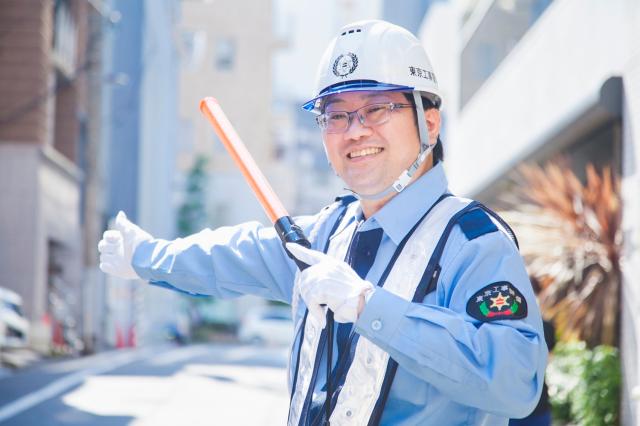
x,y
196,385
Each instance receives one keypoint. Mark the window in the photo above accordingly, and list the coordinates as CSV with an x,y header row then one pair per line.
x,y
225,54
64,38
194,45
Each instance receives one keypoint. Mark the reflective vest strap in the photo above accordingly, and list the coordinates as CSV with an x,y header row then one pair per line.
x,y
363,385
342,204
475,221
428,283
506,228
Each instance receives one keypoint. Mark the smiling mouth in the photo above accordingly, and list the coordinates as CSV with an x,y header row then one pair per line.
x,y
364,152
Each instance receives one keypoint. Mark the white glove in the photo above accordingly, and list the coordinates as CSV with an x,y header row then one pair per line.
x,y
118,245
331,282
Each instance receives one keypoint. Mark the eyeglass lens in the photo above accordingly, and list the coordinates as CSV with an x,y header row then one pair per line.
x,y
369,115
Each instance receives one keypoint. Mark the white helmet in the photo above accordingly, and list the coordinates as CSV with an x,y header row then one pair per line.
x,y
377,55
374,55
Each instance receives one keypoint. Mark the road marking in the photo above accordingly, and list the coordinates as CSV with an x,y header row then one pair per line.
x,y
57,387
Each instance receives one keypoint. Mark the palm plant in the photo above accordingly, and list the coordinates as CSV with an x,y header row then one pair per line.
x,y
570,237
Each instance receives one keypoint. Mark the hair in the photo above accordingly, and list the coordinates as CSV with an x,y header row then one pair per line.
x,y
427,103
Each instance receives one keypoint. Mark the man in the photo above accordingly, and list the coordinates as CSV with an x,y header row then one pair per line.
x,y
436,320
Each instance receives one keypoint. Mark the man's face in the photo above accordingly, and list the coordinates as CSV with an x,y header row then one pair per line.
x,y
370,159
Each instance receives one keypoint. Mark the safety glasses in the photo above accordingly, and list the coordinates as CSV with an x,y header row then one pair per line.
x,y
368,115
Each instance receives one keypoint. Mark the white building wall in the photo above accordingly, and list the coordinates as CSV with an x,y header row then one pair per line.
x,y
559,65
555,72
59,217
631,228
440,36
23,252
243,90
158,119
155,308
36,185
303,30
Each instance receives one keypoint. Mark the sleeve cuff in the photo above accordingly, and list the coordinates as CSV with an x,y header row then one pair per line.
x,y
381,316
140,260
164,284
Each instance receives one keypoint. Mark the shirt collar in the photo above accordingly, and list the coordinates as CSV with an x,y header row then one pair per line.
x,y
403,211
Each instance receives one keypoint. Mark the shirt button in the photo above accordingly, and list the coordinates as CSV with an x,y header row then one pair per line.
x,y
376,325
349,413
369,360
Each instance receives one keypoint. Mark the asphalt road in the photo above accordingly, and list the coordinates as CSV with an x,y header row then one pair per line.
x,y
191,385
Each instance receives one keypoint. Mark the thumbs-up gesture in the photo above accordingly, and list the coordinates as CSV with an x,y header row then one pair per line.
x,y
118,245
331,282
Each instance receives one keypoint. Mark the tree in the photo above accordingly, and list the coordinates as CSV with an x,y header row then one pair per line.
x,y
571,239
192,215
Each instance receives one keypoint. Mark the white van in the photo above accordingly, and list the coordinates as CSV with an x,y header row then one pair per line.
x,y
14,327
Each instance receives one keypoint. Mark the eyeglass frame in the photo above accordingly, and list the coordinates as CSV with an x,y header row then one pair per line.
x,y
390,106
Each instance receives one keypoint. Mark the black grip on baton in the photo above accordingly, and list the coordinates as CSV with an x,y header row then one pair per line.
x,y
289,232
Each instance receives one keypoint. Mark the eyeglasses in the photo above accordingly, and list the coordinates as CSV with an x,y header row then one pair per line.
x,y
368,115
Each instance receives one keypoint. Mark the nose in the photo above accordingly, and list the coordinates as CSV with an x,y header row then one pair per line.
x,y
357,129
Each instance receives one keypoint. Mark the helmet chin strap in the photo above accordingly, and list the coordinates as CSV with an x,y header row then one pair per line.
x,y
425,149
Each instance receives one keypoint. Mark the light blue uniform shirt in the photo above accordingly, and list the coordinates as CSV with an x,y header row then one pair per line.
x,y
452,368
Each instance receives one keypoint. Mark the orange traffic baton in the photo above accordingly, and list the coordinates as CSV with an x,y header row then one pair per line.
x,y
287,230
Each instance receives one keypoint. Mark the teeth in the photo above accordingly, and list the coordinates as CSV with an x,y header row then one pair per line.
x,y
363,152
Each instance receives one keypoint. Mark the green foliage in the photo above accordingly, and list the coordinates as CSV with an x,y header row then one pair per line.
x,y
597,403
192,215
570,236
584,384
563,377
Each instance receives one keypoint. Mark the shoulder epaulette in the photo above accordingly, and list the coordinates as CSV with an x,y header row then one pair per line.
x,y
476,223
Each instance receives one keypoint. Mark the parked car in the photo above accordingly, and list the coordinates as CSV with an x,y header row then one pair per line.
x,y
14,327
271,325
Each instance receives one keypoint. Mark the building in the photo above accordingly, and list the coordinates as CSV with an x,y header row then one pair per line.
x,y
563,77
88,126
140,133
226,51
408,14
303,29
48,149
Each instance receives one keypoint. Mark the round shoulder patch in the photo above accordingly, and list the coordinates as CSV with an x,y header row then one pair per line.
x,y
497,301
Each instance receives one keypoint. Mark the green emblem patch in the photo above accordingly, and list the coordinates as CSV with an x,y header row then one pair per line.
x,y
497,301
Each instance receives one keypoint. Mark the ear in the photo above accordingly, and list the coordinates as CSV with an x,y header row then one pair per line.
x,y
432,115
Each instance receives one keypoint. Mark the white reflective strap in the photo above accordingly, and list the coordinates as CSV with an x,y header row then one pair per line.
x,y
366,374
324,215
309,347
337,249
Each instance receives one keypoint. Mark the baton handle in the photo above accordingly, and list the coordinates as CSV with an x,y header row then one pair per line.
x,y
289,232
